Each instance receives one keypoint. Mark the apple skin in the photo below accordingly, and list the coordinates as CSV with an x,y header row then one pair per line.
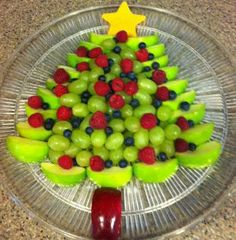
x,y
106,214
171,72
133,42
73,60
99,38
49,97
178,86
157,50
163,61
27,150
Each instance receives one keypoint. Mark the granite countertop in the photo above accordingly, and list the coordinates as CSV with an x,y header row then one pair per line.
x,y
19,19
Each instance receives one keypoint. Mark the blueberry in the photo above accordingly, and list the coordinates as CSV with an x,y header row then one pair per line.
x,y
84,100
192,146
155,65
117,49
110,62
67,133
89,130
86,94
142,45
191,123
132,76
102,78
162,156
108,164
156,103
184,106
108,131
123,163
48,123
172,95
134,103
108,117
123,75
147,69
75,162
150,56
106,69
129,141
75,122
45,106
116,114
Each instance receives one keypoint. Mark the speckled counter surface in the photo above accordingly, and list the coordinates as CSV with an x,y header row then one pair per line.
x,y
20,18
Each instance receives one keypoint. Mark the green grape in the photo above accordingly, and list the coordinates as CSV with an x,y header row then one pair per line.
x,y
77,87
92,65
61,126
164,113
140,110
131,154
115,69
110,76
163,124
147,85
83,158
168,147
172,131
126,97
114,141
143,97
126,111
84,76
72,150
156,149
91,88
108,44
102,152
116,155
69,99
132,124
138,67
97,103
80,139
141,138
98,138
127,134
54,155
127,53
115,57
80,110
117,125
85,123
156,136
95,73
58,143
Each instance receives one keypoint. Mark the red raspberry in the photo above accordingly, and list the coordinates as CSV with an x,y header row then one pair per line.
x,y
148,120
65,162
182,122
61,76
81,51
95,52
116,101
83,66
131,88
64,113
98,120
162,93
101,88
142,55
181,145
35,102
122,36
102,61
117,84
60,90
126,65
36,120
97,163
159,76
147,155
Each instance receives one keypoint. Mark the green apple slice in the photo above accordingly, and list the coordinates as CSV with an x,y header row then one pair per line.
x,y
99,38
50,113
49,97
25,130
27,150
163,61
157,172
157,50
71,71
63,177
89,45
133,42
73,59
204,156
178,86
171,72
50,83
113,177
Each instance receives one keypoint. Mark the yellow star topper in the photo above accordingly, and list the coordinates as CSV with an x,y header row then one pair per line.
x,y
123,19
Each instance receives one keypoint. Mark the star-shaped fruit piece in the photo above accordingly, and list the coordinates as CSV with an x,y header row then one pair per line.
x,y
123,19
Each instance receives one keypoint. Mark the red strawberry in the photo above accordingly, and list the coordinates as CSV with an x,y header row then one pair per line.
x,y
131,88
35,102
147,155
64,113
96,163
116,101
162,93
81,51
61,76
142,55
60,90
36,120
98,120
148,120
102,61
126,65
182,122
101,88
65,162
122,36
159,76
117,84
83,66
95,52
181,145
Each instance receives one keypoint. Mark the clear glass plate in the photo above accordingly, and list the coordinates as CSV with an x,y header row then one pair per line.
x,y
149,210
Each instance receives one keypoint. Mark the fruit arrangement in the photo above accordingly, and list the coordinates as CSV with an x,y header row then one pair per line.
x,y
117,110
